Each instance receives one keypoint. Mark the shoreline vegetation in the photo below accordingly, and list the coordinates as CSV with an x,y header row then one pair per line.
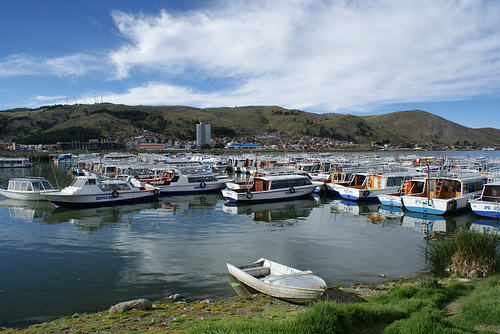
x,y
404,305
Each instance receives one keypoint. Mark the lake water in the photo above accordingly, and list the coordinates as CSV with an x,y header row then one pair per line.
x,y
57,261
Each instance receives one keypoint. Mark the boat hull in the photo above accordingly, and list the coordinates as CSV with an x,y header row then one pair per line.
x,y
26,196
390,200
272,285
268,195
434,205
87,200
363,194
180,189
485,208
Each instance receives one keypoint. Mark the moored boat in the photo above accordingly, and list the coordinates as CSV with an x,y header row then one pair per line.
x,y
15,163
187,181
488,203
279,281
375,184
445,194
28,189
413,186
269,188
89,190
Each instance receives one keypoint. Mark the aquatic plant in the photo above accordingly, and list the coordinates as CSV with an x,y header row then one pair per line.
x,y
465,253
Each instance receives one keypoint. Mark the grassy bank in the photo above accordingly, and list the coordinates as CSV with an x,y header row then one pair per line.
x,y
427,305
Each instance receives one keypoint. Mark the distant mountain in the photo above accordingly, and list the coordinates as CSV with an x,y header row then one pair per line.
x,y
69,122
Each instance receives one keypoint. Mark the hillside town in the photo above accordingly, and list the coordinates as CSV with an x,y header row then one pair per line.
x,y
145,140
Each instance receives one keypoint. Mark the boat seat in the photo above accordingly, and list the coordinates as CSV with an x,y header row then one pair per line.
x,y
258,271
274,277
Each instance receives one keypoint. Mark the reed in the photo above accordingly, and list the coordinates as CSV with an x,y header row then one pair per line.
x,y
464,253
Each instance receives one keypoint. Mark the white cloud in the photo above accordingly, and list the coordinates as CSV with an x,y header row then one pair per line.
x,y
74,65
323,55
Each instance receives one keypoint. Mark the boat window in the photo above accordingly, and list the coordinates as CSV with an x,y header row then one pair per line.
x,y
78,183
114,186
200,179
191,179
91,181
24,186
398,180
209,178
36,186
105,187
46,185
390,182
124,186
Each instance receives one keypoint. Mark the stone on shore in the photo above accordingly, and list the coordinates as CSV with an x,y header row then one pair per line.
x,y
141,304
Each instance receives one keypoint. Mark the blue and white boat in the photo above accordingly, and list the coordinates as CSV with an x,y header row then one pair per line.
x,y
488,203
446,194
413,186
89,190
375,184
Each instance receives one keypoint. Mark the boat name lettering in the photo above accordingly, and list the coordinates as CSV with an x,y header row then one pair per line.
x,y
98,198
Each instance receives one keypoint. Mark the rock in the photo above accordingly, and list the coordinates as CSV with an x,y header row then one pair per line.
x,y
175,296
476,274
141,304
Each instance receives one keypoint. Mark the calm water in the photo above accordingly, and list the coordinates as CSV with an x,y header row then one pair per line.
x,y
56,261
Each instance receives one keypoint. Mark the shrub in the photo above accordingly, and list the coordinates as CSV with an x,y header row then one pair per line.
x,y
464,252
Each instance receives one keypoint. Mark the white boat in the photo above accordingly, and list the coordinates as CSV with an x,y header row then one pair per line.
x,y
375,184
15,163
28,189
89,190
413,186
445,194
488,203
269,188
186,181
279,281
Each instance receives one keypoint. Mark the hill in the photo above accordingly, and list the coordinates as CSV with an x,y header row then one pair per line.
x,y
67,122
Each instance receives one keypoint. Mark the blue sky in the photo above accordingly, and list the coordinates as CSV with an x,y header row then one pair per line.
x,y
343,56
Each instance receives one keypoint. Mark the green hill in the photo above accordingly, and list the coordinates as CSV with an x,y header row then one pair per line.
x,y
66,122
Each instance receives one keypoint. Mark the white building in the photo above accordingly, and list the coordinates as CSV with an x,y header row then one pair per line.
x,y
202,135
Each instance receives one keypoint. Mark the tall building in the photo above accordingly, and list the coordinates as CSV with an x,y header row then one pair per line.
x,y
202,134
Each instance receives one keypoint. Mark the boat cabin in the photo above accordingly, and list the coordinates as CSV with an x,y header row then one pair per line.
x,y
491,192
33,185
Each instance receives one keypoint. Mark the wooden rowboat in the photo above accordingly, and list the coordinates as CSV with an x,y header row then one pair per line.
x,y
279,281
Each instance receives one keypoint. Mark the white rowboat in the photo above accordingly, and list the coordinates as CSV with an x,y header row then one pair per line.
x,y
279,281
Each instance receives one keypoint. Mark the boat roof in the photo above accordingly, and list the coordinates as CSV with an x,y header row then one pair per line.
x,y
282,177
28,179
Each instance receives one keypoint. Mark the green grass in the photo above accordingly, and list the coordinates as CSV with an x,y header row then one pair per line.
x,y
463,252
426,305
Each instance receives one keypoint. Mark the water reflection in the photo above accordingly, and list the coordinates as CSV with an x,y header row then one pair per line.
x,y
273,212
354,208
95,218
27,210
182,204
486,226
435,226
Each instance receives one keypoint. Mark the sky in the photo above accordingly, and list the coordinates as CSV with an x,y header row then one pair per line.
x,y
343,56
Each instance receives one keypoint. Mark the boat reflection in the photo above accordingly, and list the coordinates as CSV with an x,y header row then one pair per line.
x,y
486,226
353,207
240,288
387,214
95,218
27,210
180,204
436,226
273,211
